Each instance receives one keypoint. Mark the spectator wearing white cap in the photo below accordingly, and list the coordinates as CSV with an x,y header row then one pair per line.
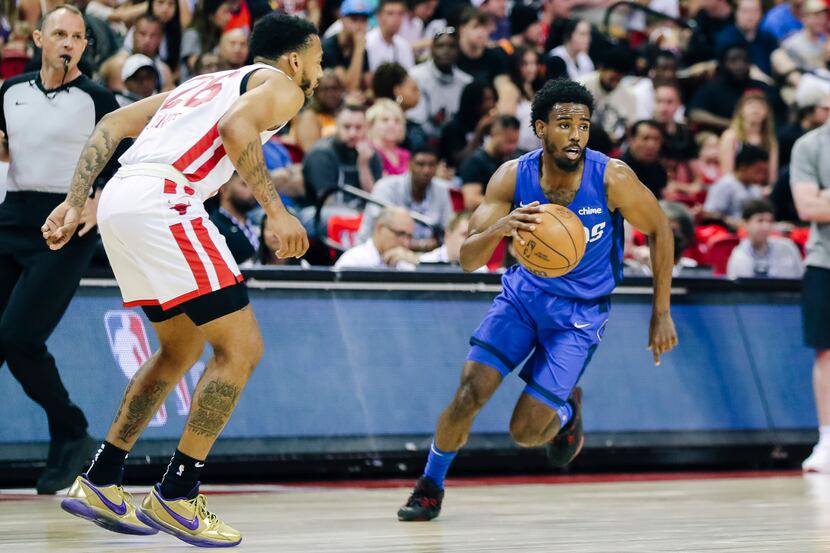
x,y
141,80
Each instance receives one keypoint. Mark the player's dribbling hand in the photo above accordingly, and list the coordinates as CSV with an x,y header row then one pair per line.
x,y
60,225
521,218
291,234
662,337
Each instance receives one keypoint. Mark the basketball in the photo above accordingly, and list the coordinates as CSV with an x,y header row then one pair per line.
x,y
557,244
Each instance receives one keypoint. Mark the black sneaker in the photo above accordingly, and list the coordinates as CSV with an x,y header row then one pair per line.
x,y
424,503
67,459
567,444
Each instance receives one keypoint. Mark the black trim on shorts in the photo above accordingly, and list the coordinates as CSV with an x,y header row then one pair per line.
x,y
815,306
204,309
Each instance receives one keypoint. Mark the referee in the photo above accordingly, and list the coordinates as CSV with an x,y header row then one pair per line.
x,y
46,117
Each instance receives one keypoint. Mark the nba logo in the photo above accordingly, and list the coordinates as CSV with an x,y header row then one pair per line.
x,y
131,349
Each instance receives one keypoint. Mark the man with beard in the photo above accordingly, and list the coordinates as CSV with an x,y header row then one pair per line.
x,y
170,259
645,139
554,323
714,103
232,219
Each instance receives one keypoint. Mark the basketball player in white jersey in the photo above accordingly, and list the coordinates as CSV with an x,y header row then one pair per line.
x,y
169,259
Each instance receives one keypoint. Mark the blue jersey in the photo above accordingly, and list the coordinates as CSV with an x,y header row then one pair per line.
x,y
600,269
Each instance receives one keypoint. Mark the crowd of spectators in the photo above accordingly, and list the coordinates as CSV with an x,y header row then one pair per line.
x,y
422,100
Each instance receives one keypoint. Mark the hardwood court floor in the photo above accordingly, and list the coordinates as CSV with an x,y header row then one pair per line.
x,y
781,512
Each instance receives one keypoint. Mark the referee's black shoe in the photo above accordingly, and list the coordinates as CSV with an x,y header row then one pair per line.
x,y
567,444
67,459
424,503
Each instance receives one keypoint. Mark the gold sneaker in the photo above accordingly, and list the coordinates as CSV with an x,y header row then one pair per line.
x,y
109,507
187,519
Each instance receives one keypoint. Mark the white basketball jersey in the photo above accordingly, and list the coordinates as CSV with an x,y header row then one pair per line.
x,y
184,132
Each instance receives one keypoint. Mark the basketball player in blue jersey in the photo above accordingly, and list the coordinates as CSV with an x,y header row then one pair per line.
x,y
558,322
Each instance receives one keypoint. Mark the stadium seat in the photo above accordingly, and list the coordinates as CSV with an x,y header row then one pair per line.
x,y
719,248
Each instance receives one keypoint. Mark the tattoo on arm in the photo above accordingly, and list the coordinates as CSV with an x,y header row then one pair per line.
x,y
97,152
141,407
214,406
251,167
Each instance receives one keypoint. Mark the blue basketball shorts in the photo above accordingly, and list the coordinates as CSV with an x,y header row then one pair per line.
x,y
555,335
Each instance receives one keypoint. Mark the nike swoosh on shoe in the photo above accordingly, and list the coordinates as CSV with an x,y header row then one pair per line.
x,y
187,523
119,510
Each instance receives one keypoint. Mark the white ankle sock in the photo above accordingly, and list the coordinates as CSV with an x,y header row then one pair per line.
x,y
824,436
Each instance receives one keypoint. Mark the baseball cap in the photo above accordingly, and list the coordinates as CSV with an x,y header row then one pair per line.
x,y
810,95
134,63
813,6
356,7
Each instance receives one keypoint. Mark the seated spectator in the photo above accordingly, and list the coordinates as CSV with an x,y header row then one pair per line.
x,y
727,197
523,65
713,17
233,48
660,66
383,43
449,252
499,22
465,132
419,27
643,155
317,120
345,158
168,13
678,141
418,191
753,124
393,82
714,103
207,63
745,31
706,167
478,167
140,78
804,49
683,230
760,255
476,58
440,83
209,21
386,132
345,52
388,247
149,32
781,21
233,220
571,59
614,102
525,28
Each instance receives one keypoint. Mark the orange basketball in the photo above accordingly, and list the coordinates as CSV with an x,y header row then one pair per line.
x,y
555,246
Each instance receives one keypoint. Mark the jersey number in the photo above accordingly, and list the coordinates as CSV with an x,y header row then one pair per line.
x,y
204,90
595,233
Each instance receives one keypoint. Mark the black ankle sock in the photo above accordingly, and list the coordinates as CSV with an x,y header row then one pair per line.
x,y
182,477
108,465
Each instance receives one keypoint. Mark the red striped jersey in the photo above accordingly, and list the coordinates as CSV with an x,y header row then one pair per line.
x,y
184,131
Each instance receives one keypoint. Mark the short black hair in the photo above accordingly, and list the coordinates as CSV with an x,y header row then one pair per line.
x,y
559,91
504,121
618,59
725,49
644,122
756,207
149,17
387,76
277,34
570,27
749,154
383,3
470,14
423,149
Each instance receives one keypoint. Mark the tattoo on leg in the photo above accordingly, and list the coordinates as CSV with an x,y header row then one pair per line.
x,y
124,400
142,406
214,406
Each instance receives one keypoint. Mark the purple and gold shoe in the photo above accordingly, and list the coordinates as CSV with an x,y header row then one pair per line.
x,y
109,507
187,519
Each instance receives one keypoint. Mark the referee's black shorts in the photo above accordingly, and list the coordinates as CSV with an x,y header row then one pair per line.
x,y
815,300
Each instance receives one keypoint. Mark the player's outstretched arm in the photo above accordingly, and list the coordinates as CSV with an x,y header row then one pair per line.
x,y
493,220
126,122
271,100
640,208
